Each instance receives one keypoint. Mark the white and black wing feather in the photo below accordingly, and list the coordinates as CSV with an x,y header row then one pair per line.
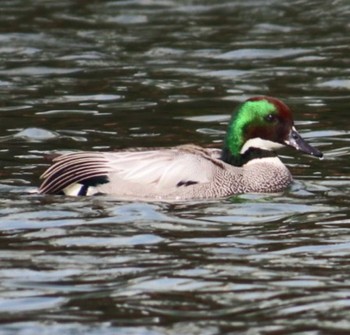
x,y
74,168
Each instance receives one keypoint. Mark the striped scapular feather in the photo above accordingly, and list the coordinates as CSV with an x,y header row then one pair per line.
x,y
72,168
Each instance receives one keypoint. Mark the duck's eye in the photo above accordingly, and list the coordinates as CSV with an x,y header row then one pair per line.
x,y
271,118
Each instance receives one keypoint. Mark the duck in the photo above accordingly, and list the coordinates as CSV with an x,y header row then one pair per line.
x,y
246,163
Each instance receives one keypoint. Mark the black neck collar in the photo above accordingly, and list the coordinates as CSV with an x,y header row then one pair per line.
x,y
244,158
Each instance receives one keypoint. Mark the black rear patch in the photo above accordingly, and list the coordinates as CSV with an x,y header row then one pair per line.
x,y
92,182
83,190
186,183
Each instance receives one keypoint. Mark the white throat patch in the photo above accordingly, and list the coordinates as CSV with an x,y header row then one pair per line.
x,y
259,143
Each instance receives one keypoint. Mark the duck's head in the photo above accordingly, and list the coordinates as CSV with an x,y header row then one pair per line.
x,y
260,125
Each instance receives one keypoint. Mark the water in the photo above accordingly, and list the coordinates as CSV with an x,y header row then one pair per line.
x,y
78,75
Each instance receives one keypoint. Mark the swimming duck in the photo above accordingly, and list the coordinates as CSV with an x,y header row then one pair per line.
x,y
247,162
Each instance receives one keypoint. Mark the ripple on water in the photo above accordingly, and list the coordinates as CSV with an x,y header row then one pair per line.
x,y
94,328
242,54
336,84
99,75
31,304
38,71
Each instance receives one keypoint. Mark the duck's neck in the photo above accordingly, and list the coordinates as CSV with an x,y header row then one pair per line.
x,y
241,159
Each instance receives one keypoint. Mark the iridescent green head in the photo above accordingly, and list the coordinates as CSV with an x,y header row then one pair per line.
x,y
257,127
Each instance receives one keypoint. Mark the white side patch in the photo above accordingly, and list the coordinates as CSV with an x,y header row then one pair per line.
x,y
259,143
72,190
91,191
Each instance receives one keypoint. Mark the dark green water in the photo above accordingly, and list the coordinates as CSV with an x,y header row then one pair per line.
x,y
101,75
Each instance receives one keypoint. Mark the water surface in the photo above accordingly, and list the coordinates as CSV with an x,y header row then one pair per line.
x,y
78,75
